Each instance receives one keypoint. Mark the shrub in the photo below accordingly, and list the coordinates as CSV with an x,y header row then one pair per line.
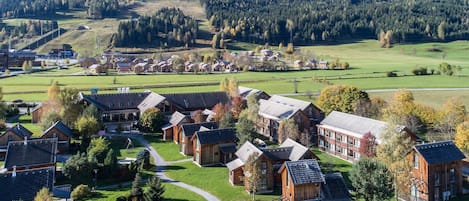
x,y
80,192
420,71
3,125
391,74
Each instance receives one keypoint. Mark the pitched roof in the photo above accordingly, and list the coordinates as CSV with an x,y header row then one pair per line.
x,y
152,100
190,129
176,118
25,184
302,105
278,154
20,130
59,125
216,136
298,150
439,152
304,171
276,111
334,188
33,152
354,125
246,150
234,164
246,91
228,148
194,101
116,101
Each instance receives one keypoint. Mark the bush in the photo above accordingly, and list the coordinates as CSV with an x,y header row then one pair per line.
x,y
80,192
420,71
3,125
391,74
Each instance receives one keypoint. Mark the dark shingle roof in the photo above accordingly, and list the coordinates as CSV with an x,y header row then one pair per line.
x,y
216,136
62,128
20,130
25,184
277,154
34,152
439,152
117,101
304,171
228,148
334,189
197,101
190,129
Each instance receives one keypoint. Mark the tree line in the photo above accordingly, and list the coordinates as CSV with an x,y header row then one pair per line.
x,y
168,27
34,8
302,21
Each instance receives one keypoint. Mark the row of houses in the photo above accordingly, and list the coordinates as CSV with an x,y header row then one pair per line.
x,y
16,133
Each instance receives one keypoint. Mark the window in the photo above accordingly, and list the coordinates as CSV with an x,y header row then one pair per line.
x,y
331,135
357,155
286,178
414,191
416,160
357,143
344,139
198,144
321,143
344,151
332,147
321,131
452,175
263,182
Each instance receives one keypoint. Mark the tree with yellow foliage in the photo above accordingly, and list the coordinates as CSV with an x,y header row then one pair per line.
x,y
462,136
452,114
43,195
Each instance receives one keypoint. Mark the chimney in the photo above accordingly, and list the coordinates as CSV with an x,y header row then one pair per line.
x,y
14,171
25,140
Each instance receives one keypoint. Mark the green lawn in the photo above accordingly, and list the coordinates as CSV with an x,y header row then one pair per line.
x,y
1,164
25,120
166,149
213,180
119,145
331,164
172,193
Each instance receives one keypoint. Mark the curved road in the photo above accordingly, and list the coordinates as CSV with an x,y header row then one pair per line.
x,y
161,164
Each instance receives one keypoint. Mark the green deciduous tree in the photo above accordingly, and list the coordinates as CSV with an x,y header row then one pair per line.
x,y
155,189
227,121
371,180
245,128
48,119
287,128
151,120
71,106
87,126
79,169
110,163
98,149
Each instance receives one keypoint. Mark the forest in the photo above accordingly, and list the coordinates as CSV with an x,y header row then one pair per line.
x,y
168,27
305,21
34,8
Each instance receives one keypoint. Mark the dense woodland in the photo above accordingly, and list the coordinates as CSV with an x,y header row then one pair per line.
x,y
168,27
34,8
305,21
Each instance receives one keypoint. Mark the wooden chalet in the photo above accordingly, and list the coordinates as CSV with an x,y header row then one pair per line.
x,y
437,171
189,102
212,147
123,109
303,180
124,67
62,132
187,131
340,134
272,113
270,162
172,129
15,133
36,113
246,91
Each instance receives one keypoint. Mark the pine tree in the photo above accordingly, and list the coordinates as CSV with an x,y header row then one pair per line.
x,y
137,191
155,190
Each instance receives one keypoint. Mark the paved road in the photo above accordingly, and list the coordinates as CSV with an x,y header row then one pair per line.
x,y
161,164
316,93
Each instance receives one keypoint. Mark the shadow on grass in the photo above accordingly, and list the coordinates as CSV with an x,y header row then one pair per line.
x,y
174,167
